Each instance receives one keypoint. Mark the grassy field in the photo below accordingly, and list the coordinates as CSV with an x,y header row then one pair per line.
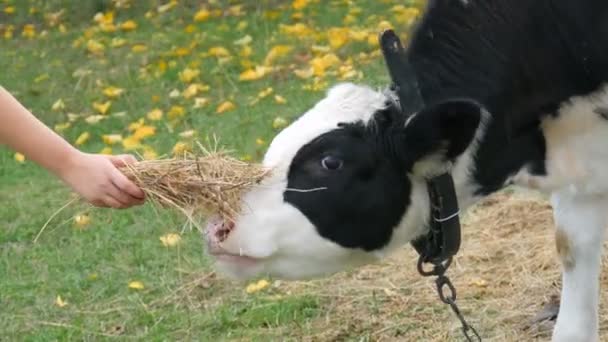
x,y
149,78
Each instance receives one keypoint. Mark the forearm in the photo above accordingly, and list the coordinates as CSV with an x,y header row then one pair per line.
x,y
23,132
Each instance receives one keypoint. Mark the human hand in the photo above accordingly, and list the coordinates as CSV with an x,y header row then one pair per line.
x,y
98,180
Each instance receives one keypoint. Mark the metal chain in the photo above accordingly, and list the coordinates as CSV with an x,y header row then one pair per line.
x,y
443,282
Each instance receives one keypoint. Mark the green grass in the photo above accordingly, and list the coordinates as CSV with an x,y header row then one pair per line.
x,y
90,268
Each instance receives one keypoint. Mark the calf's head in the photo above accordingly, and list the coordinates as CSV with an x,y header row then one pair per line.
x,y
347,186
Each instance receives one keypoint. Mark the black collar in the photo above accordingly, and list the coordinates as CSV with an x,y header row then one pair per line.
x,y
443,239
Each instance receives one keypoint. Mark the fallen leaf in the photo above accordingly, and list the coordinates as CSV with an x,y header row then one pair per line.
x,y
82,138
102,107
170,240
188,75
113,92
58,106
111,139
200,102
128,25
136,285
60,302
202,15
19,158
225,107
243,41
279,123
155,114
179,148
144,132
280,99
176,112
258,286
93,119
106,150
82,220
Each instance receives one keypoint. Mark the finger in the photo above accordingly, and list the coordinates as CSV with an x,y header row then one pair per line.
x,y
122,160
113,203
121,197
126,186
98,203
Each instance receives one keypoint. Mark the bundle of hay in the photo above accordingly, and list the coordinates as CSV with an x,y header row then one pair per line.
x,y
210,183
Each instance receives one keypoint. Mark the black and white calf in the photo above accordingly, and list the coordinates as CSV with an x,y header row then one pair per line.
x,y
516,92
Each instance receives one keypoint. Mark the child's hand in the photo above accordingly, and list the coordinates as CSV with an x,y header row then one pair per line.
x,y
97,179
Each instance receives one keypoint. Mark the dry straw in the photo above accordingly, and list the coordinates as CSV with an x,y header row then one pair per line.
x,y
198,184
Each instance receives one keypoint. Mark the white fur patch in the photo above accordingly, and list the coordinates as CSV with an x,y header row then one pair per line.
x,y
576,153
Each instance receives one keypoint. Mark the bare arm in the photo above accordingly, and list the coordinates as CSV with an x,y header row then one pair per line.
x,y
95,177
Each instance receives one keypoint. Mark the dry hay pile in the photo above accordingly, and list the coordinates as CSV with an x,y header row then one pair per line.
x,y
197,185
505,273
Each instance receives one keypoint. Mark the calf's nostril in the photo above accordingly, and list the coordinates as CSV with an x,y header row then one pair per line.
x,y
223,230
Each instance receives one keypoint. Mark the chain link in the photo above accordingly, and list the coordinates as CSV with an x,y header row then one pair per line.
x,y
443,282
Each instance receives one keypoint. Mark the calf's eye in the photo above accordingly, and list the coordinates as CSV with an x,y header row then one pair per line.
x,y
331,163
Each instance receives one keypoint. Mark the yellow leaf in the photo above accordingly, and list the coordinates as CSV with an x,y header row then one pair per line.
x,y
19,158
93,276
58,106
155,114
188,75
82,220
190,91
29,31
62,126
255,287
95,47
9,9
219,51
130,143
93,119
174,93
166,7
181,52
243,41
82,138
117,42
106,150
280,99
276,52
337,37
170,240
304,73
102,107
188,134
176,112
144,132
111,139
179,148
200,102
113,92
265,92
138,48
260,141
254,74
60,302
321,64
202,15
128,25
225,107
279,122
136,285
298,30
299,4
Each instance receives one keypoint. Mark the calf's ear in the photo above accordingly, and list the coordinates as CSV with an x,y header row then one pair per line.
x,y
437,135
